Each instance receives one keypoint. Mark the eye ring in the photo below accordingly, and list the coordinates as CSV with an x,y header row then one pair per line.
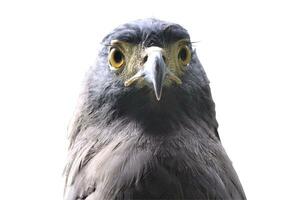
x,y
116,58
184,55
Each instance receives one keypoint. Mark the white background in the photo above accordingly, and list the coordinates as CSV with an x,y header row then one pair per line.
x,y
250,51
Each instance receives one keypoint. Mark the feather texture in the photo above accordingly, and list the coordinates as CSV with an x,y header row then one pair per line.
x,y
126,145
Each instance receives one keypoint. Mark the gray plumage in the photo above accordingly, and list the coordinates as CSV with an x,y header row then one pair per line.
x,y
124,144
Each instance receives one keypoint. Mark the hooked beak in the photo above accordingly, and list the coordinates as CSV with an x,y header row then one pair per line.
x,y
154,71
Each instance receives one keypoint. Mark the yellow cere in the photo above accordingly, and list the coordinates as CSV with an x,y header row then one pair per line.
x,y
128,59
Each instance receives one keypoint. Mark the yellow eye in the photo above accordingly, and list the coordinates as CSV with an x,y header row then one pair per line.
x,y
184,55
116,58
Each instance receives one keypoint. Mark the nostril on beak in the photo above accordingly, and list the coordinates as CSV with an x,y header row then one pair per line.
x,y
145,59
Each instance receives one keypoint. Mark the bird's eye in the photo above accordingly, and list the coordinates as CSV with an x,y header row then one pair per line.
x,y
116,58
184,55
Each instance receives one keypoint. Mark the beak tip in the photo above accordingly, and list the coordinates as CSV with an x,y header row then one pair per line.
x,y
158,95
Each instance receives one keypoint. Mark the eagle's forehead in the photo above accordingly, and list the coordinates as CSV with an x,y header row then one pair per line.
x,y
149,32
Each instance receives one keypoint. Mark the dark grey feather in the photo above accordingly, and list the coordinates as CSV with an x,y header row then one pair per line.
x,y
126,145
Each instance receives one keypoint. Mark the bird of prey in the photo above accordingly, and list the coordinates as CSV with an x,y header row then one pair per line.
x,y
145,127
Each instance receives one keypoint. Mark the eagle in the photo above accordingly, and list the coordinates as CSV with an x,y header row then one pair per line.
x,y
145,125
